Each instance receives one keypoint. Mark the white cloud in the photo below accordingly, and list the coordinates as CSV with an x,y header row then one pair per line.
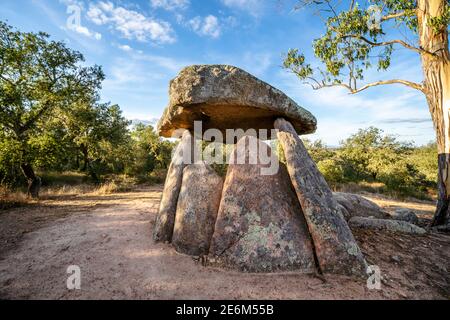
x,y
253,7
170,4
131,24
125,48
126,72
86,32
179,18
75,25
207,26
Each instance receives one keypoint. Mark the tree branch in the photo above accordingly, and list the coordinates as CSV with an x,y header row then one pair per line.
x,y
352,4
34,118
399,14
320,85
410,84
386,43
393,16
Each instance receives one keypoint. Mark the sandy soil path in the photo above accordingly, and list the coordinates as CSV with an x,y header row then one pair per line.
x,y
109,238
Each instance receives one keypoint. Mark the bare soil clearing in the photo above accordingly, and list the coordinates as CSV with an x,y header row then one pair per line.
x,y
110,238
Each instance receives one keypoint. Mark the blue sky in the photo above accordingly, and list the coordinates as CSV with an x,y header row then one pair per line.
x,y
143,44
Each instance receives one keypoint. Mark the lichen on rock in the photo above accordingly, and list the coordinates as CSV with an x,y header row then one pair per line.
x,y
260,225
197,208
225,97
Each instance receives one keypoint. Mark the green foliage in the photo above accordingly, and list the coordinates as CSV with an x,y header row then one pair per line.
x,y
318,150
296,62
442,22
368,151
425,160
333,170
342,50
51,118
151,154
396,6
356,38
371,156
39,79
10,157
217,151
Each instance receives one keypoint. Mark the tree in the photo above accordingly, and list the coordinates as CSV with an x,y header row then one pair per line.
x,y
38,78
100,135
150,152
318,150
424,159
356,37
369,151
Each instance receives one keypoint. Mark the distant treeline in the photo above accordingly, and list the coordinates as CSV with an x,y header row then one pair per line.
x,y
102,149
371,157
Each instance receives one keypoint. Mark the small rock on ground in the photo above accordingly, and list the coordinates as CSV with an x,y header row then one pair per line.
x,y
384,224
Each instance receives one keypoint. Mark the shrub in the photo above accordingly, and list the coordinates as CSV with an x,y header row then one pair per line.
x,y
332,170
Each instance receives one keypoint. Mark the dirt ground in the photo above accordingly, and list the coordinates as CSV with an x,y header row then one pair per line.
x,y
109,238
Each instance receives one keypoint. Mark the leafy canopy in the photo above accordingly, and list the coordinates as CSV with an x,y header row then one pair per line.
x,y
38,76
358,37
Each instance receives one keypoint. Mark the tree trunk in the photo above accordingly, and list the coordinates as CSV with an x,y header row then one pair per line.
x,y
34,182
77,162
84,150
437,84
87,166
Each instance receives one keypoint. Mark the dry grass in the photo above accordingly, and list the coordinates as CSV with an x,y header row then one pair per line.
x,y
12,199
17,198
67,190
424,208
378,188
363,186
390,201
117,184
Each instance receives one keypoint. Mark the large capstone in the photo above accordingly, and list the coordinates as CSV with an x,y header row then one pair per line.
x,y
225,97
260,225
198,204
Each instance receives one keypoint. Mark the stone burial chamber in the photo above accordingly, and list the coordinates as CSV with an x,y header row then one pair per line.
x,y
250,220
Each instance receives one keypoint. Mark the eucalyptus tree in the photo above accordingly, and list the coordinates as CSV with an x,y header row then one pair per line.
x,y
38,78
359,37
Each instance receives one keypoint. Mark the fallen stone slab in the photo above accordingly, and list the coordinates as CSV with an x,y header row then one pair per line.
x,y
165,219
384,224
335,247
260,226
198,205
358,206
225,97
407,215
